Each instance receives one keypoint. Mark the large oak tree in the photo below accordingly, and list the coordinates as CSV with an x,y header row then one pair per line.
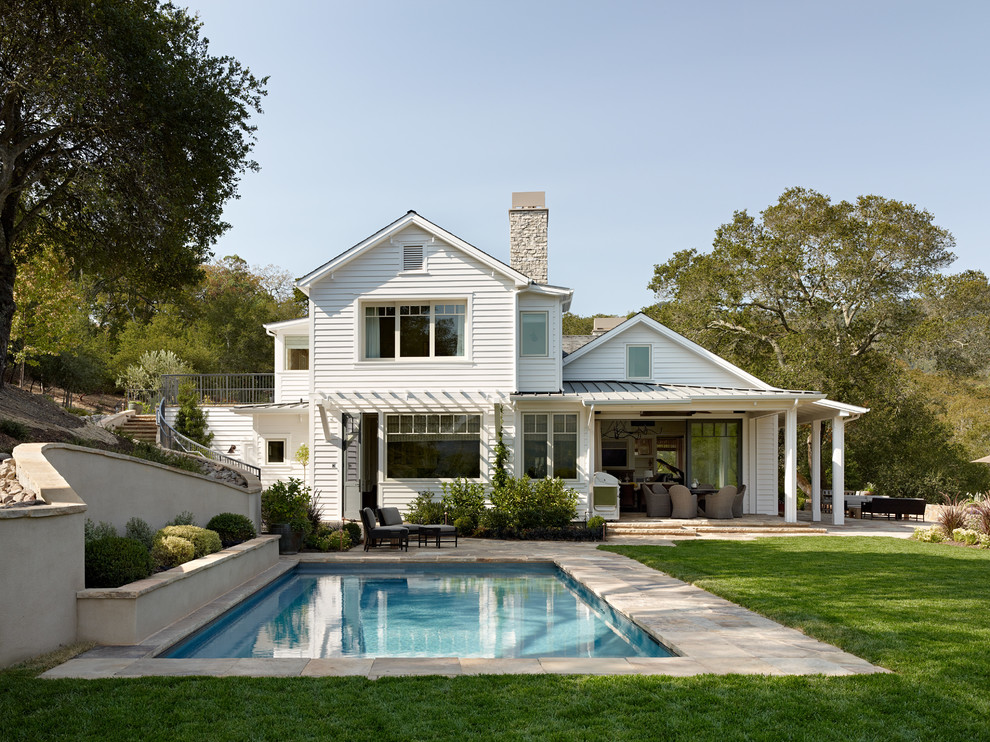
x,y
121,139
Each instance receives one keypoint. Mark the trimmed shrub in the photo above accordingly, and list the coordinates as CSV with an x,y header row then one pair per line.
x,y
204,541
171,551
185,518
463,499
466,525
287,502
425,509
930,535
353,531
95,531
232,528
524,504
966,536
113,561
139,530
329,539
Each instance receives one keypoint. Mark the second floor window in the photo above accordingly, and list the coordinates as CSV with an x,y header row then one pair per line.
x,y
296,353
401,330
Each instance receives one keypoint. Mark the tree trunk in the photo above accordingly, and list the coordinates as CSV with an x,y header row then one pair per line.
x,y
8,272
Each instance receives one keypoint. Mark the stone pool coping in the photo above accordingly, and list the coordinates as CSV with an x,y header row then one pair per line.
x,y
710,634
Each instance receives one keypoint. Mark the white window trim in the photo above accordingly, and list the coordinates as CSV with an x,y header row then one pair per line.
x,y
285,355
649,347
546,315
383,447
550,452
414,300
286,455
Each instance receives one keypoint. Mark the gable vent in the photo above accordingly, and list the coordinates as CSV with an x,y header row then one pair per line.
x,y
412,257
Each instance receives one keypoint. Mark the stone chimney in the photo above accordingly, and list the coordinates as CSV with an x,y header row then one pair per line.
x,y
528,219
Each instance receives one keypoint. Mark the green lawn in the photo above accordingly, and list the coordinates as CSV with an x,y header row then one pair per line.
x,y
922,610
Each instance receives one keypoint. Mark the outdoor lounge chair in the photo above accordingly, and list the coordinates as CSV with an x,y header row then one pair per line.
x,y
376,535
657,500
392,517
737,502
719,505
683,503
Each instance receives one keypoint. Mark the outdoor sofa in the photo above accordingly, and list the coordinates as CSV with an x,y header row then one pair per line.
x,y
896,506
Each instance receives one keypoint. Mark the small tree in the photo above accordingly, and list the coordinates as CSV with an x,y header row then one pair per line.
x,y
302,458
144,379
190,419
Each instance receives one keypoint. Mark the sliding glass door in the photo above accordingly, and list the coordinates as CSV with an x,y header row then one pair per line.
x,y
715,452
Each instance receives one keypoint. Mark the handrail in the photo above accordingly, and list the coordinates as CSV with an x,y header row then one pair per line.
x,y
173,440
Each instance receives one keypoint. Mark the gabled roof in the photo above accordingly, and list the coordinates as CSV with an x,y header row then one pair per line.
x,y
641,319
411,218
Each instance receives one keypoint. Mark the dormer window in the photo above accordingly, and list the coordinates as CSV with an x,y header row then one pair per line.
x,y
639,362
415,330
296,353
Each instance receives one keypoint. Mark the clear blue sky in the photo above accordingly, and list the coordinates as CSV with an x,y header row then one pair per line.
x,y
647,123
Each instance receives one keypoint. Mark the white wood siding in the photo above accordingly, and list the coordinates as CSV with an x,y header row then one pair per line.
x,y
291,386
541,374
336,356
672,363
766,465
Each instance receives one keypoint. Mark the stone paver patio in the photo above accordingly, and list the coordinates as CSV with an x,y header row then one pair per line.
x,y
709,634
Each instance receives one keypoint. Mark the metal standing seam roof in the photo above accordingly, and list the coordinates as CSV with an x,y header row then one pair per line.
x,y
641,391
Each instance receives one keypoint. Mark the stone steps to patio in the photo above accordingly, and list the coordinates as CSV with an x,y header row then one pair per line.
x,y
141,427
696,527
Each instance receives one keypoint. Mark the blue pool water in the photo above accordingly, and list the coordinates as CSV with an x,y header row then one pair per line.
x,y
420,610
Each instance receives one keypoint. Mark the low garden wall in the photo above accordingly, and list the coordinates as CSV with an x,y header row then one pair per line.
x,y
117,488
42,550
132,613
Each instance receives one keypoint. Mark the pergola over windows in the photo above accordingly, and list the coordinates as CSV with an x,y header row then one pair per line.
x,y
432,446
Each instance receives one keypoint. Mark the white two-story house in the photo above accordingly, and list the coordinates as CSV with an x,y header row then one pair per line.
x,y
419,346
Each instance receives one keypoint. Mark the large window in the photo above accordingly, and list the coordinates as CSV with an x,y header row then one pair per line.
x,y
550,445
533,334
432,446
423,330
715,452
639,363
296,353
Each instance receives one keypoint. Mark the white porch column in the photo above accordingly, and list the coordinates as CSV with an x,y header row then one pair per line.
x,y
816,470
790,465
838,471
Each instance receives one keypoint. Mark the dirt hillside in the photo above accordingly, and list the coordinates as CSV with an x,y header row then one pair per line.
x,y
26,417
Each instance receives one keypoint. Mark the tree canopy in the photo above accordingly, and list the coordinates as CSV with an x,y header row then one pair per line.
x,y
844,298
809,285
121,139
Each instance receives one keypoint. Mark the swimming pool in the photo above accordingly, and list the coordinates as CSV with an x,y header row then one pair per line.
x,y
421,610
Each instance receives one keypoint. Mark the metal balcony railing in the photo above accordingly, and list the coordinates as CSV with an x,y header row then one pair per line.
x,y
173,440
220,389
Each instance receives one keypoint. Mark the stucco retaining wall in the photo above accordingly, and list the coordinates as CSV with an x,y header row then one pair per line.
x,y
41,569
117,488
132,613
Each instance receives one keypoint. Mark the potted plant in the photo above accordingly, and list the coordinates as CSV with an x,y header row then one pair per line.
x,y
284,508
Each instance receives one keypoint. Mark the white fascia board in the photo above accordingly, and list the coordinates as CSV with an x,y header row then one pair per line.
x,y
642,319
301,323
411,218
565,294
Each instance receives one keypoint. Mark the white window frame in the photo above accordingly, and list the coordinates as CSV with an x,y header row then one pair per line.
x,y
428,418
414,301
284,439
649,348
285,354
546,324
551,468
